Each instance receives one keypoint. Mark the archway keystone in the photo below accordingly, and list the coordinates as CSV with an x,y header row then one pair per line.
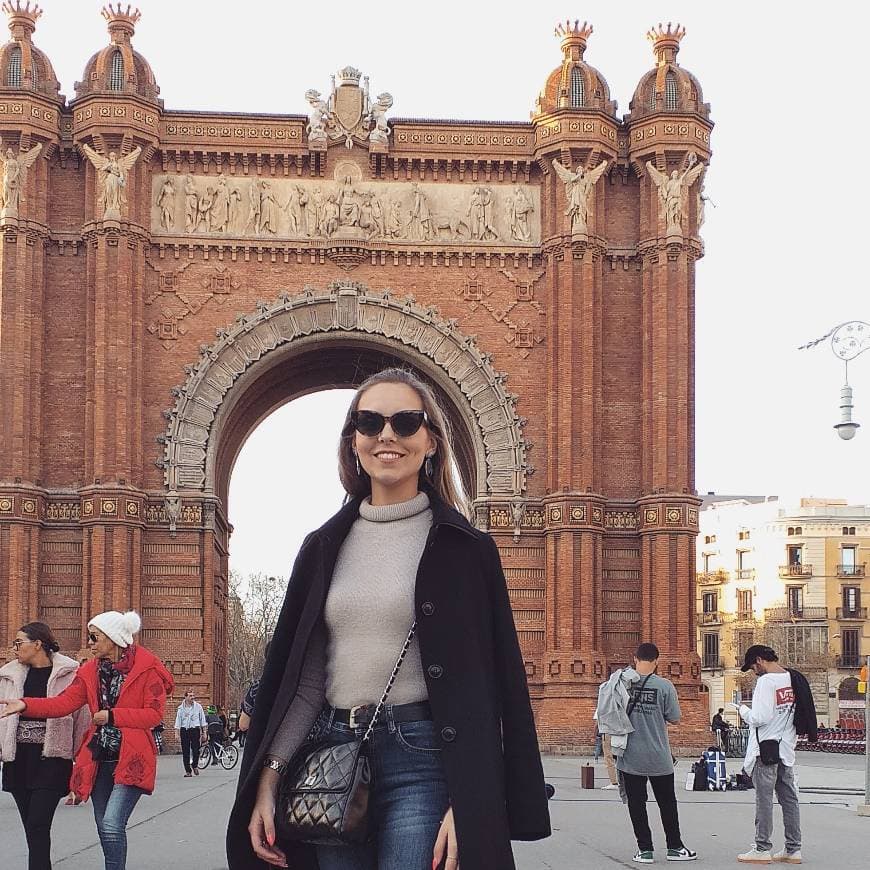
x,y
344,307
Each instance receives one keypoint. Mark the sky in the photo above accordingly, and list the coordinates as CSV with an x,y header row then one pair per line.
x,y
782,242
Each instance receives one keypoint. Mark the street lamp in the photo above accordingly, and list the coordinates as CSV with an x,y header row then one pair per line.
x,y
848,340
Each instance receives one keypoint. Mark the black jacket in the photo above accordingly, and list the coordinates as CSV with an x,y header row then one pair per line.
x,y
805,721
480,700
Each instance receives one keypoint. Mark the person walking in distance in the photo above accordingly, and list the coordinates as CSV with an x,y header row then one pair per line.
x,y
770,756
124,687
653,704
190,724
37,755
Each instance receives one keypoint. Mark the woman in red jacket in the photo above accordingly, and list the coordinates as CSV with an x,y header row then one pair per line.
x,y
125,687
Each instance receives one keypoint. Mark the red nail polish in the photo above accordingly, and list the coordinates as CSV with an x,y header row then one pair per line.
x,y
271,839
434,864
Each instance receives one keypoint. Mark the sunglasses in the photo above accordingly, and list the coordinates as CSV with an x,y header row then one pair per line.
x,y
92,637
17,643
403,423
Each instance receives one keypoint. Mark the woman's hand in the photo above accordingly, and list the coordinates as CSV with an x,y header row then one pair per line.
x,y
11,708
446,844
262,826
101,717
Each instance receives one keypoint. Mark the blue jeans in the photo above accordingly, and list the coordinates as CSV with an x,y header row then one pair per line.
x,y
407,801
113,805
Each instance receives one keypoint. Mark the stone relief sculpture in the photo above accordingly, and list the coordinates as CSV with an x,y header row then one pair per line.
x,y
519,207
166,204
578,186
113,178
380,130
479,213
672,191
191,204
347,207
14,176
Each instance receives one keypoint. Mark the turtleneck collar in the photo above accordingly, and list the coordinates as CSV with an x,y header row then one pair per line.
x,y
390,512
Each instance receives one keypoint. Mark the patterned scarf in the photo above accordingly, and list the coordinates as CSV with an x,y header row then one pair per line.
x,y
106,742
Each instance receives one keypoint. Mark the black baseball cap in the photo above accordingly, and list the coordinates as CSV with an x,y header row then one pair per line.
x,y
758,651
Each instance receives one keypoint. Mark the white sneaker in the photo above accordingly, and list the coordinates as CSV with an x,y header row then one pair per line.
x,y
609,785
784,857
756,856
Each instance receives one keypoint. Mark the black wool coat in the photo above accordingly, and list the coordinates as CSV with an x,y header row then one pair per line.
x,y
479,697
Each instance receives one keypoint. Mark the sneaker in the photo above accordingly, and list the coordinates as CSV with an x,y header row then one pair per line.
x,y
187,774
196,771
610,785
756,856
644,857
682,854
784,857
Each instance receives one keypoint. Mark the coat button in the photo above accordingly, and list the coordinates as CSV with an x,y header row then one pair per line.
x,y
428,608
435,671
448,734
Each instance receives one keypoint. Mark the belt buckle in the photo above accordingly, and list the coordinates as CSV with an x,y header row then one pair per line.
x,y
359,710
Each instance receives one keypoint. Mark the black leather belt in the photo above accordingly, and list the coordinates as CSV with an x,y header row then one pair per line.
x,y
362,714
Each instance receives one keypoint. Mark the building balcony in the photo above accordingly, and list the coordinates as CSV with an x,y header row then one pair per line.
x,y
712,578
790,614
790,570
744,574
851,660
851,571
852,613
710,617
745,617
713,663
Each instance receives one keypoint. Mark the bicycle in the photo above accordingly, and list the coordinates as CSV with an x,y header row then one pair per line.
x,y
227,755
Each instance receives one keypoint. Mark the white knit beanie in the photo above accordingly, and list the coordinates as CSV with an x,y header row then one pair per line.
x,y
118,627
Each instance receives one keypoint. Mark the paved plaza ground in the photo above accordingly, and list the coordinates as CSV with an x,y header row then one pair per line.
x,y
181,826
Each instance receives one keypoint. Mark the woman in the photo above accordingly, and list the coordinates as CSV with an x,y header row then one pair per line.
x,y
37,755
125,687
457,772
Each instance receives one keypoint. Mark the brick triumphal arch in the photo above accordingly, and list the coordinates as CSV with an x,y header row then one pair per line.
x,y
168,278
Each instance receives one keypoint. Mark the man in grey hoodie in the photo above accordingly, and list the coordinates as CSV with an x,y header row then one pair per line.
x,y
647,756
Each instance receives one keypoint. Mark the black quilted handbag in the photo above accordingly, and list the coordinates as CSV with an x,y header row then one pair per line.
x,y
323,796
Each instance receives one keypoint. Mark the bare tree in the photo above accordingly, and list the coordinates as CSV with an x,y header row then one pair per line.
x,y
253,609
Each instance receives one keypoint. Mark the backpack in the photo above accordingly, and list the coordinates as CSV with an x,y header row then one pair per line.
x,y
805,722
700,769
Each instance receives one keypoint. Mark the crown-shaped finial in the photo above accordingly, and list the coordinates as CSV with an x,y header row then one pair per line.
x,y
666,41
121,22
22,17
573,37
350,75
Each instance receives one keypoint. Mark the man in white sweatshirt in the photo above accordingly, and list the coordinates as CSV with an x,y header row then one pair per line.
x,y
771,718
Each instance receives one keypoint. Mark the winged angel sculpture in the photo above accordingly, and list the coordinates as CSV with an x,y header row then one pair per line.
x,y
113,178
578,186
14,176
672,191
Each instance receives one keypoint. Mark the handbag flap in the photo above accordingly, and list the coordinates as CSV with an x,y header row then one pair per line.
x,y
327,769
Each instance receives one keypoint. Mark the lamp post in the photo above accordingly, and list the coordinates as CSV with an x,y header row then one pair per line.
x,y
848,340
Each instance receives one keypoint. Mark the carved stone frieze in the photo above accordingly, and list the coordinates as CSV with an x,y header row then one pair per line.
x,y
346,209
348,307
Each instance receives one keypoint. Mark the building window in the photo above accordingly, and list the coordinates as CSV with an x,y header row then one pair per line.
x,y
744,604
116,72
710,602
706,557
849,561
743,640
670,92
578,88
795,555
847,530
807,645
13,74
711,650
851,600
652,97
795,599
743,536
851,654
709,539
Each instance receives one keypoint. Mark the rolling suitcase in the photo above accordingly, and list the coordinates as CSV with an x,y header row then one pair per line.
x,y
717,777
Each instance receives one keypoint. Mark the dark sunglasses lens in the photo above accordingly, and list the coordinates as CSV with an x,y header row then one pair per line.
x,y
92,638
406,423
368,422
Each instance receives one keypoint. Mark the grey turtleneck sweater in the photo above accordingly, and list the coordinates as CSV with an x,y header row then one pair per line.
x,y
368,611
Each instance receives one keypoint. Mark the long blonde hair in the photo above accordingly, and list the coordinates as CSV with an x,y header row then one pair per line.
x,y
442,480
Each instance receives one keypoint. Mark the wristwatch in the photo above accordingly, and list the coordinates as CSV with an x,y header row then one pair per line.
x,y
275,764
